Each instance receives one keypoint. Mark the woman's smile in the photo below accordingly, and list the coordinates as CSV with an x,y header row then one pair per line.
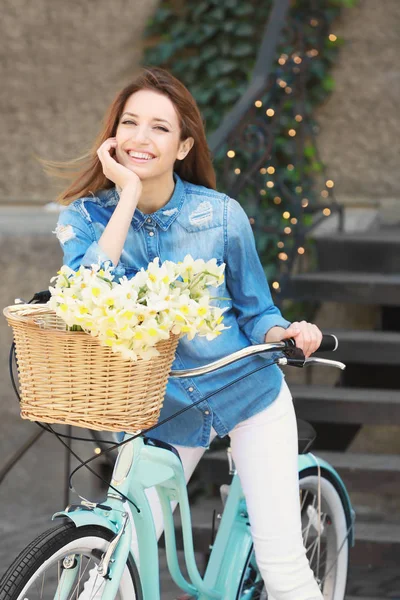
x,y
140,157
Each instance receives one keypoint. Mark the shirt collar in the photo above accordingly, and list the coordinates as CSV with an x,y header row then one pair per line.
x,y
164,216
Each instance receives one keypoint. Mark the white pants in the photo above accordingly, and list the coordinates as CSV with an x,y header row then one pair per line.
x,y
265,450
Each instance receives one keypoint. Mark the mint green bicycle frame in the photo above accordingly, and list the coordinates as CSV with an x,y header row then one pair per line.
x,y
140,466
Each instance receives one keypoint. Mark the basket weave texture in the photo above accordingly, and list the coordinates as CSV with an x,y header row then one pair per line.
x,y
69,377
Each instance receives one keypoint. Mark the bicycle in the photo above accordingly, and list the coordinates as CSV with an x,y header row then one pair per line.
x,y
98,535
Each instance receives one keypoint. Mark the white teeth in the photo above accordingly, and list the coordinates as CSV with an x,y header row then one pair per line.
x,y
139,155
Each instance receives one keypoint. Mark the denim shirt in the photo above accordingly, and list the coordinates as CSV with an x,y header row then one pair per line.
x,y
205,224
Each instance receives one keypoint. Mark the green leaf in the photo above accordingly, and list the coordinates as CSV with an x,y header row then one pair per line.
x,y
309,150
244,30
244,9
242,50
328,83
200,9
229,95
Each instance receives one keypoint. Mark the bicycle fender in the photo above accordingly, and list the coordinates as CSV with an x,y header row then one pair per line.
x,y
307,461
81,517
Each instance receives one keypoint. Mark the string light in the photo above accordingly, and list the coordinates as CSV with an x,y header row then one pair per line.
x,y
300,250
292,132
97,450
282,256
288,90
329,183
298,189
281,82
270,112
332,37
312,53
280,245
277,200
252,220
271,170
327,212
231,153
290,167
293,221
263,192
304,202
298,118
275,285
258,103
263,171
286,215
270,184
297,60
324,193
314,22
237,171
287,230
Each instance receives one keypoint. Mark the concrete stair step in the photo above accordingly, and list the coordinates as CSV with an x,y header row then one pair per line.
x,y
371,251
345,286
320,403
360,472
367,347
376,543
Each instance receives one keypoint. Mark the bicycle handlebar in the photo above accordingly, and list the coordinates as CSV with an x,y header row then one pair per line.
x,y
294,356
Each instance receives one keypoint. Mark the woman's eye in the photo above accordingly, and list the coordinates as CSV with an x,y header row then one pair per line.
x,y
128,122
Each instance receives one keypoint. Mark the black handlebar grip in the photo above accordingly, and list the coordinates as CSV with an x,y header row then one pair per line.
x,y
329,343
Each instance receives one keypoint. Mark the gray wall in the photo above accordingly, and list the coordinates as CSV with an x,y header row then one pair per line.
x,y
360,125
61,64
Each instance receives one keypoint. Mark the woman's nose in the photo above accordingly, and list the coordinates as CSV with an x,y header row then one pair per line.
x,y
141,134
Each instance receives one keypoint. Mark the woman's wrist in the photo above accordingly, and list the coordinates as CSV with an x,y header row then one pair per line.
x,y
130,192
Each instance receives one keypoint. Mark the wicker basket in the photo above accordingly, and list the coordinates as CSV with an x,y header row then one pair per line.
x,y
69,377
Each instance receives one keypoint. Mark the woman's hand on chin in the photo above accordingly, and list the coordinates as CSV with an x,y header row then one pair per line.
x,y
114,171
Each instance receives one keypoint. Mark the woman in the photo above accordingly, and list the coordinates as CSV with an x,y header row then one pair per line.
x,y
148,189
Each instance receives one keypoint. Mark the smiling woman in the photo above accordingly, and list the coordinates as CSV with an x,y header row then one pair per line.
x,y
147,190
148,148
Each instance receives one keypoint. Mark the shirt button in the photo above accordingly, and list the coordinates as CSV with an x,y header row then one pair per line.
x,y
190,389
206,412
149,220
151,233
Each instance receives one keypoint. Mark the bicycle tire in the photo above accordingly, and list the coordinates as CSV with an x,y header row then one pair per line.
x,y
333,513
49,548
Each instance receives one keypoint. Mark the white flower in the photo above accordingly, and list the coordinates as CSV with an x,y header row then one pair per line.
x,y
133,315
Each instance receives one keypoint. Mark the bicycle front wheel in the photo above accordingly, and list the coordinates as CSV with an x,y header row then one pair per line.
x,y
59,563
325,538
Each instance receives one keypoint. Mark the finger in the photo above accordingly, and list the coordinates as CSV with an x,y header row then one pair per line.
x,y
104,149
318,338
291,331
311,338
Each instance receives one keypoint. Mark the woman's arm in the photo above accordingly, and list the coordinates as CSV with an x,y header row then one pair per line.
x,y
257,315
114,235
246,280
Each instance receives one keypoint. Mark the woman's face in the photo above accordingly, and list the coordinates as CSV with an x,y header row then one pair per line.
x,y
148,135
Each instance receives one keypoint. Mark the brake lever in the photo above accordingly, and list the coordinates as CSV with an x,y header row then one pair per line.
x,y
294,357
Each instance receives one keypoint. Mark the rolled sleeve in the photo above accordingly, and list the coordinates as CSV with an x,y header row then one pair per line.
x,y
246,280
79,244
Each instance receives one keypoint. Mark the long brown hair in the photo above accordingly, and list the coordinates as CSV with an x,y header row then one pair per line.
x,y
85,172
